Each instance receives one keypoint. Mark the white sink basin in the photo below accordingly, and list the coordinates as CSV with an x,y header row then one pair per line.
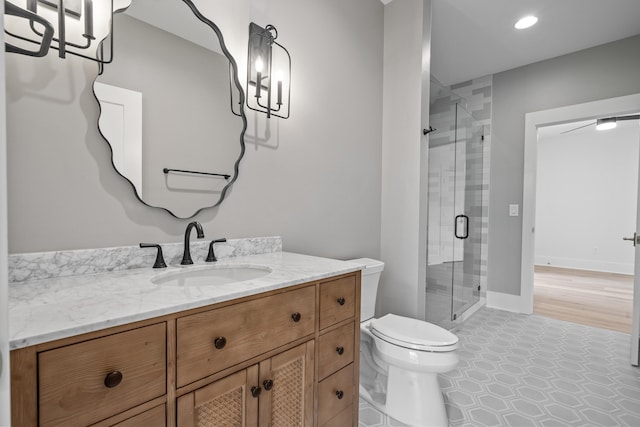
x,y
210,275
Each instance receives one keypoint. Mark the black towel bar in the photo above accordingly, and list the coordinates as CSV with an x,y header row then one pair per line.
x,y
225,176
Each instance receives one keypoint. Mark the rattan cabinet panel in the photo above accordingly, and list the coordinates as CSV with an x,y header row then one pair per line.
x,y
276,392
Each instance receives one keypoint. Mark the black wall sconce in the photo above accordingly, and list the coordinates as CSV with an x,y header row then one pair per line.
x,y
77,27
268,73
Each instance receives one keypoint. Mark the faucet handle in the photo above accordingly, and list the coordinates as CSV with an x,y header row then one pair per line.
x,y
159,257
211,257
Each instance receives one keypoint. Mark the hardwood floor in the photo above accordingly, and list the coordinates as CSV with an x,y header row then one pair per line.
x,y
603,300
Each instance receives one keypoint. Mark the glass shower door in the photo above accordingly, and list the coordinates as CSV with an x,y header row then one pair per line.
x,y
467,213
455,183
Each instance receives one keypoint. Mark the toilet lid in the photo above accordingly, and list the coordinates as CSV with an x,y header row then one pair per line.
x,y
413,333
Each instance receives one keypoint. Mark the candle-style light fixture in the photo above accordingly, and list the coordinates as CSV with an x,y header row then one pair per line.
x,y
77,27
268,73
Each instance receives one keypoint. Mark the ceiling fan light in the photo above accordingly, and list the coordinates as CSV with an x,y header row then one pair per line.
x,y
606,124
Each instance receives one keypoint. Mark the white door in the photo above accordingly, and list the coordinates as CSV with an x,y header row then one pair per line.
x,y
635,331
120,123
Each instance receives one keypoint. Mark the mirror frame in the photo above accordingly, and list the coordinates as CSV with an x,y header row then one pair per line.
x,y
236,81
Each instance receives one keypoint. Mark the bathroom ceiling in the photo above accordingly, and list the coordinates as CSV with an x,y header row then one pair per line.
x,y
472,38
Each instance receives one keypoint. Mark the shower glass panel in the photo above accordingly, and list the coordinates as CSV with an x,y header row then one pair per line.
x,y
455,208
468,210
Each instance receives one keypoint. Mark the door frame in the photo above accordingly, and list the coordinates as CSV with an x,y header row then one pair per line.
x,y
5,401
587,111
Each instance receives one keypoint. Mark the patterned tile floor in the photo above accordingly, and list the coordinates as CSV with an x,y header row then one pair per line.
x,y
528,370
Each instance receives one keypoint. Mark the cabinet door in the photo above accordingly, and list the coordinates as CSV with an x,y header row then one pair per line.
x,y
227,402
287,388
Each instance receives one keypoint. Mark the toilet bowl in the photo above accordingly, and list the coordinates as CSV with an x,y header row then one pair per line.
x,y
412,353
400,359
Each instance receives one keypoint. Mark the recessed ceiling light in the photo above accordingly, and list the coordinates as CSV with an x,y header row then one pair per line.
x,y
526,22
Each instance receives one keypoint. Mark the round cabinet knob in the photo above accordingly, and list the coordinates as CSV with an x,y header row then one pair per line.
x,y
296,317
255,391
340,350
113,379
268,384
220,342
341,301
339,394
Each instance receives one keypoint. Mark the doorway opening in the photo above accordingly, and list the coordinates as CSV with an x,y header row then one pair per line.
x,y
624,105
586,198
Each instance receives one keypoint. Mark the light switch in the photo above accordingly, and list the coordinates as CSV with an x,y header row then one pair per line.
x,y
513,210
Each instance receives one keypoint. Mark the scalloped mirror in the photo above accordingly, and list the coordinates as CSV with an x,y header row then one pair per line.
x,y
167,106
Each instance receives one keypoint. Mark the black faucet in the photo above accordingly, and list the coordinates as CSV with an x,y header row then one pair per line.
x,y
211,256
159,257
186,257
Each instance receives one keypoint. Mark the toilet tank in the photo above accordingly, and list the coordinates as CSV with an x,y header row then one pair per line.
x,y
370,279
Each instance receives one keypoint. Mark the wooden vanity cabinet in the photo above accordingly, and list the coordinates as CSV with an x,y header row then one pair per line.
x,y
287,357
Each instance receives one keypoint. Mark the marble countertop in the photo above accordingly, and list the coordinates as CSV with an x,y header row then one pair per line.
x,y
49,309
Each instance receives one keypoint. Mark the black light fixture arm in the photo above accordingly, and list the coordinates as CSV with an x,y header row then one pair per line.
x,y
47,35
271,29
46,39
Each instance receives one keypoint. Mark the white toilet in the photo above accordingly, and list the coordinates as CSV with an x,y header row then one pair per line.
x,y
400,359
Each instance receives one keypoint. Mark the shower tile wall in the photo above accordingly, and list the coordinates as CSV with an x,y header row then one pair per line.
x,y
476,98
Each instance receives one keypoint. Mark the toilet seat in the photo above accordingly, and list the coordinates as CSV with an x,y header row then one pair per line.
x,y
413,334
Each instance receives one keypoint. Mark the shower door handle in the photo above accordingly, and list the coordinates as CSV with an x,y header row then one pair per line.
x,y
458,221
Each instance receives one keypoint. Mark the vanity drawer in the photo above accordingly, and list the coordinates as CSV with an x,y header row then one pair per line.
x,y
343,419
156,417
335,350
72,380
337,300
211,341
335,394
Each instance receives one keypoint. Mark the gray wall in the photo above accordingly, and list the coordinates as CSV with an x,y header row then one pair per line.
x,y
601,72
406,36
314,179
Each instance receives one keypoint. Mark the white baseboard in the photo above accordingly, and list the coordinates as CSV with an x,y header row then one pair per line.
x,y
507,302
586,264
